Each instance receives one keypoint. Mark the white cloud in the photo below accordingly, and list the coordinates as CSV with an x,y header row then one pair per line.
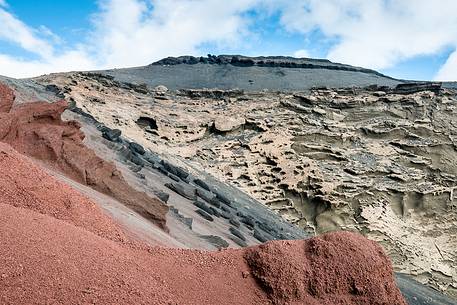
x,y
15,31
129,33
302,53
172,27
40,42
448,71
378,33
70,61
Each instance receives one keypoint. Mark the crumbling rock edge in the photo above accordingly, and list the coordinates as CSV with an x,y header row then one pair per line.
x,y
37,130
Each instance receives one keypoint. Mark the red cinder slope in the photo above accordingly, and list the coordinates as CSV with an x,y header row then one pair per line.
x,y
37,130
58,247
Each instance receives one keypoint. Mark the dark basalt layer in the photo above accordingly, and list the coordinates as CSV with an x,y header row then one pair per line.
x,y
246,73
263,61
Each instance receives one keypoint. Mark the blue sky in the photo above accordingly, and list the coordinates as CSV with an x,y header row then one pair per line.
x,y
412,39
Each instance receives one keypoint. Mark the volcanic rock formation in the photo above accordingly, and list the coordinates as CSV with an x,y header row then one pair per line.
x,y
378,160
36,130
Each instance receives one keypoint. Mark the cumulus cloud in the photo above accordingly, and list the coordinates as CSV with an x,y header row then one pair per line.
x,y
134,33
378,33
40,42
302,53
448,71
15,31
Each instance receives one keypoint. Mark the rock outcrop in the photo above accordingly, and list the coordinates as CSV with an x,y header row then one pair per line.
x,y
365,159
262,61
37,130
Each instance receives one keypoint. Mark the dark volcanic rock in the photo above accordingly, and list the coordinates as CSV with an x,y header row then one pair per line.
x,y
411,88
259,236
217,241
175,170
137,148
185,220
248,220
173,177
227,72
136,159
237,233
162,196
225,215
183,190
111,134
215,202
205,215
235,222
239,241
205,195
202,184
204,207
56,90
224,199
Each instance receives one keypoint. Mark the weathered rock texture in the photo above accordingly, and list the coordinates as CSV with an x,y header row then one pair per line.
x,y
36,130
25,186
366,159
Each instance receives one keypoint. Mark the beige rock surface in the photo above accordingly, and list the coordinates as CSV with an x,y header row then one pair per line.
x,y
375,162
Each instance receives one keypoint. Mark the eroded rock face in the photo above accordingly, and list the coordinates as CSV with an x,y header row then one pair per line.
x,y
26,186
364,159
7,98
226,124
37,130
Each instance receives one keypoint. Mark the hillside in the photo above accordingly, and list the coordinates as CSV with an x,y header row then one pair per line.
x,y
249,73
277,149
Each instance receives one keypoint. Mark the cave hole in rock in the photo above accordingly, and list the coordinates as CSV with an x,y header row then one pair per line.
x,y
145,122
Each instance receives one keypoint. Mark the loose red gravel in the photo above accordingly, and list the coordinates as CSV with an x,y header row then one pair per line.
x,y
25,185
57,247
335,268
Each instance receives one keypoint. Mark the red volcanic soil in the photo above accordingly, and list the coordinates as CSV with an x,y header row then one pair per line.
x,y
58,247
24,185
335,268
37,130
